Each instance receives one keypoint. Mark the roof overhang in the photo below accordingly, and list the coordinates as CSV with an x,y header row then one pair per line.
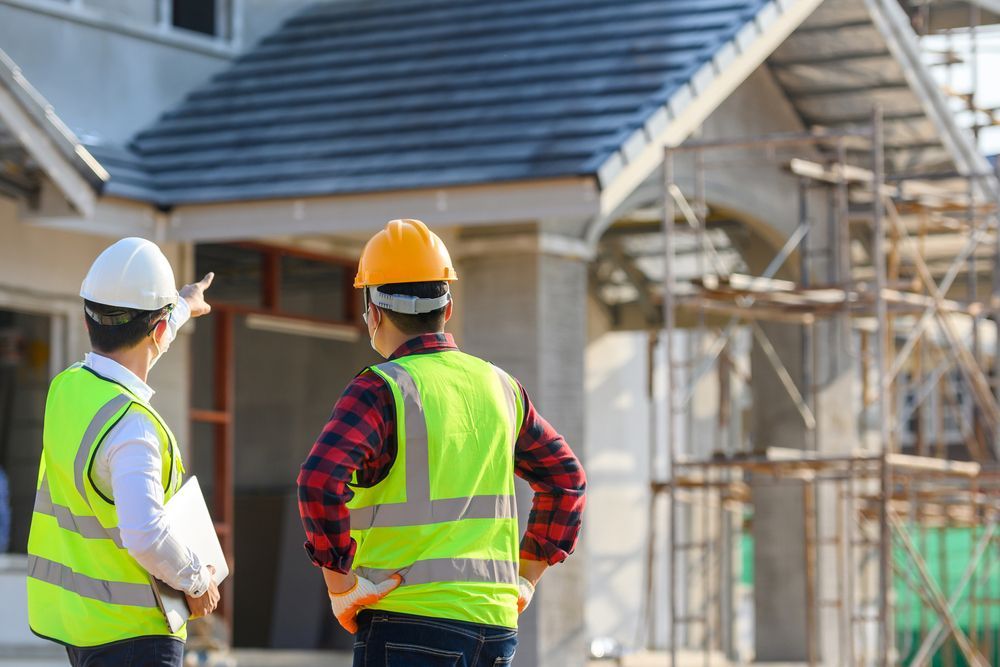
x,y
501,203
110,216
642,153
33,123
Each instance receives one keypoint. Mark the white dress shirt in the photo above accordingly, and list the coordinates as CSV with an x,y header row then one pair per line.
x,y
127,468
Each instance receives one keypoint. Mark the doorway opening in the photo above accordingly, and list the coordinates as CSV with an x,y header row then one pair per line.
x,y
25,351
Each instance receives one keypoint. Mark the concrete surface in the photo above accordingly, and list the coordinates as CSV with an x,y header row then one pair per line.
x,y
53,656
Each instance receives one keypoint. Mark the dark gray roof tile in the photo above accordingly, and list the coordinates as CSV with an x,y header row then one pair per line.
x,y
376,95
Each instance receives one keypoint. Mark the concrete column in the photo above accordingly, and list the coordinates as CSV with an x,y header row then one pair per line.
x,y
778,526
524,303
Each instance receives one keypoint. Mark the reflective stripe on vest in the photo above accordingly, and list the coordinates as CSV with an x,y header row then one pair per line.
x,y
84,588
85,526
419,509
99,421
448,569
112,592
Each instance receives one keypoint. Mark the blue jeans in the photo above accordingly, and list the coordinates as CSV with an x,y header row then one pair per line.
x,y
142,652
387,639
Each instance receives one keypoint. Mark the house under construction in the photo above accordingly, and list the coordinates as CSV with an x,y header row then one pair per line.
x,y
824,425
741,253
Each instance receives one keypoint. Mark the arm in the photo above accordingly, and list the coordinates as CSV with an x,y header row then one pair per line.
x,y
357,435
544,460
133,457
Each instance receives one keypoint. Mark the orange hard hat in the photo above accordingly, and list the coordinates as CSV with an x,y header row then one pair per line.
x,y
406,251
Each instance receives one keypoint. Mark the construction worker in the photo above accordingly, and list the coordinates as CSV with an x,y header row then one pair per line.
x,y
407,498
109,463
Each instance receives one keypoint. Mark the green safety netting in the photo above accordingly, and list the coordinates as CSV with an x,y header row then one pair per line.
x,y
946,553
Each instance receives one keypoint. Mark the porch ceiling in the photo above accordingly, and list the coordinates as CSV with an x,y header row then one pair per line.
x,y
839,64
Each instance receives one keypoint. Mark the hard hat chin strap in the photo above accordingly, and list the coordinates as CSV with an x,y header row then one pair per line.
x,y
407,305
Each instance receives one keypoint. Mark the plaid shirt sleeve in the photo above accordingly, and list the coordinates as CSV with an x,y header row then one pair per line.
x,y
544,460
358,436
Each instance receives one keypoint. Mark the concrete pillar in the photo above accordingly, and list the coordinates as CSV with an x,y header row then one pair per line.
x,y
778,526
524,303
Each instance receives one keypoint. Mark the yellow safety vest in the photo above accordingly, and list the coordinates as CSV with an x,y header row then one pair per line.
x,y
444,517
84,589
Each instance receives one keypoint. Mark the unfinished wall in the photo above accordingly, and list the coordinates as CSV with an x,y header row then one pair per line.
x,y
764,196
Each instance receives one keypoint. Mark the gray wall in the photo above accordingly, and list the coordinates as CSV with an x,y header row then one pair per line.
x,y
106,84
285,388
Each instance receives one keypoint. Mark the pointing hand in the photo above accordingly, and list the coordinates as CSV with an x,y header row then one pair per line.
x,y
194,294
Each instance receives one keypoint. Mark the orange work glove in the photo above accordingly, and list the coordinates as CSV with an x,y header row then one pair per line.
x,y
362,594
526,590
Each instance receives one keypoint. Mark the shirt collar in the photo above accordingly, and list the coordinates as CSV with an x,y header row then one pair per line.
x,y
424,343
112,370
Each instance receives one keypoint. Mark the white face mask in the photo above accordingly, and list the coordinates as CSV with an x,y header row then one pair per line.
x,y
159,351
375,333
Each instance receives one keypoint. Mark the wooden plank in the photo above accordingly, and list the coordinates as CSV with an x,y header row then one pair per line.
x,y
928,464
746,313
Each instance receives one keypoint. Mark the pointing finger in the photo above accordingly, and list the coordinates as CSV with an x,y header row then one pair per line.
x,y
205,282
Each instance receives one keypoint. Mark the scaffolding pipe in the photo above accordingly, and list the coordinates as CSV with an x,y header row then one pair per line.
x,y
886,638
668,347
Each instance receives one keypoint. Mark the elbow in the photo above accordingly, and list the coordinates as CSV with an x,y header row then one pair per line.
x,y
578,481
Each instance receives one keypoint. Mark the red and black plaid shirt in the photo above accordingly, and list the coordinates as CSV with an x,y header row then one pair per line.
x,y
361,436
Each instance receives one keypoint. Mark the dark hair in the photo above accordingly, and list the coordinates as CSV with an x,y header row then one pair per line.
x,y
115,337
414,325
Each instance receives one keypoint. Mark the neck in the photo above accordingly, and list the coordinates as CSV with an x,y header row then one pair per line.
x,y
392,340
135,359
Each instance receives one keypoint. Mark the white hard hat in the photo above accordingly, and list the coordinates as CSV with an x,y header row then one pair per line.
x,y
132,273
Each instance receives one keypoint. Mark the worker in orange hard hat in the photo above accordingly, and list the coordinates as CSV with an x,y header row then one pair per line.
x,y
407,497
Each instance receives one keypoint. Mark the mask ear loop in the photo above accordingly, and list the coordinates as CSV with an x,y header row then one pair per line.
x,y
152,336
371,340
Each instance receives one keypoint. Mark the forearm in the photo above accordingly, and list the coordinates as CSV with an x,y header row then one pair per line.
x,y
145,530
327,524
545,460
169,561
354,435
338,582
532,570
554,526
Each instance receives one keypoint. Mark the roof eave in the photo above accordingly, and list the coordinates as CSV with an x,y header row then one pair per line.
x,y
46,138
568,198
639,155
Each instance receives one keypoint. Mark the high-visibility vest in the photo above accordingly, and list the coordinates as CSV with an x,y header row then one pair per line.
x,y
84,589
444,516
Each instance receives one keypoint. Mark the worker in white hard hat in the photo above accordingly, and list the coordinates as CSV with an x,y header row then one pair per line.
x,y
109,463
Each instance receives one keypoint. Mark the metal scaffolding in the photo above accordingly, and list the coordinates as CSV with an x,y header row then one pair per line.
x,y
919,335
